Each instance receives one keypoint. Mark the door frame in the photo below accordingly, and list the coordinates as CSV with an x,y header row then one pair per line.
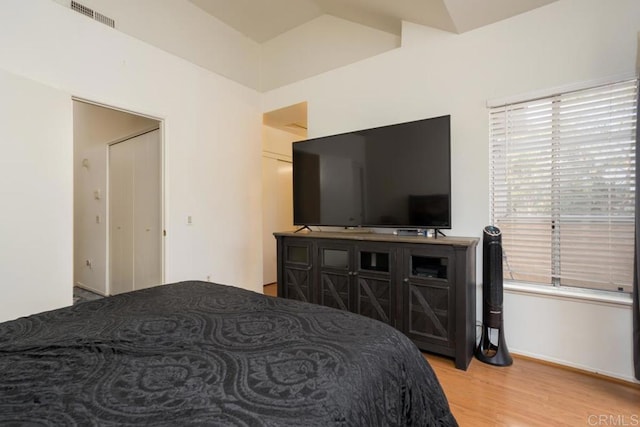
x,y
161,136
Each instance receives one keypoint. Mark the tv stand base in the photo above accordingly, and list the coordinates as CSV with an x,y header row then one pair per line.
x,y
437,231
424,287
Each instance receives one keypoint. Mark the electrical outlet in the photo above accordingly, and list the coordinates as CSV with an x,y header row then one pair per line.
x,y
87,263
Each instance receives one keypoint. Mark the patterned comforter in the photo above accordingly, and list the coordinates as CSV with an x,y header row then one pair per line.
x,y
196,353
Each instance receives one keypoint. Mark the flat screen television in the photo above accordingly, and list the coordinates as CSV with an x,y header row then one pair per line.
x,y
390,176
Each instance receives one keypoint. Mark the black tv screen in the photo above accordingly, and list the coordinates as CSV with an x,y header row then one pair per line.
x,y
391,176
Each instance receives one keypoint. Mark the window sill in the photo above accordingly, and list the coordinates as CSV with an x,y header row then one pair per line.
x,y
575,294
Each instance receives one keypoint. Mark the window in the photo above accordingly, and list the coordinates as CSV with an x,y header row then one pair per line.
x,y
563,187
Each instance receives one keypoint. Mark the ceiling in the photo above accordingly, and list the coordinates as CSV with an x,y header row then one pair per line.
x,y
262,20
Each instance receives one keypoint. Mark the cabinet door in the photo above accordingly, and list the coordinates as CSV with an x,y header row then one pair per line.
x,y
297,274
336,271
375,293
428,297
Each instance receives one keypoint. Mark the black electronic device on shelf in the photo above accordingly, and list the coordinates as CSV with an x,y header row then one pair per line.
x,y
396,176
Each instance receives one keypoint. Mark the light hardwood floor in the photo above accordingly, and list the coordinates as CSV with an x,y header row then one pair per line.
x,y
532,393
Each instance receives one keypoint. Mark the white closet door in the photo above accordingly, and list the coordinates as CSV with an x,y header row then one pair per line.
x,y
121,218
135,230
146,215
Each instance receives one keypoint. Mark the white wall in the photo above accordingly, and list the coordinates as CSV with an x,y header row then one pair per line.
x,y
437,73
278,142
36,190
93,128
183,29
320,45
212,146
590,335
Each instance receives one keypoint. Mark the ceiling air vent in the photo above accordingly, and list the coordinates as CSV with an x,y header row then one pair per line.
x,y
80,8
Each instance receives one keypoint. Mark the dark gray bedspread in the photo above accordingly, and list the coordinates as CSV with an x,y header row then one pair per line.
x,y
196,353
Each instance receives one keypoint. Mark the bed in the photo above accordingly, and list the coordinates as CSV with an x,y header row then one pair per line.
x,y
197,353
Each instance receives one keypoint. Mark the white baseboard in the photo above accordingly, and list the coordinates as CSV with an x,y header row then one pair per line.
x,y
89,288
573,365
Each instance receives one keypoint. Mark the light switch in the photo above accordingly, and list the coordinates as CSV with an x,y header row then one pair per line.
x,y
189,220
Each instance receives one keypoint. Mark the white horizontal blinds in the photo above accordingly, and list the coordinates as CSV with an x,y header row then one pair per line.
x,y
521,199
563,192
596,186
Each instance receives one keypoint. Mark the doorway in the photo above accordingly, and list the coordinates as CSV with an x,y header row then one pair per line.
x,y
96,130
280,129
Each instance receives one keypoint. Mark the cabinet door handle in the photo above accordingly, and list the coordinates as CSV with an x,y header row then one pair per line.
x,y
405,280
355,273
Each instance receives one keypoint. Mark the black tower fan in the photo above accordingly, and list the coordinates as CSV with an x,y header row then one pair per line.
x,y
494,353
